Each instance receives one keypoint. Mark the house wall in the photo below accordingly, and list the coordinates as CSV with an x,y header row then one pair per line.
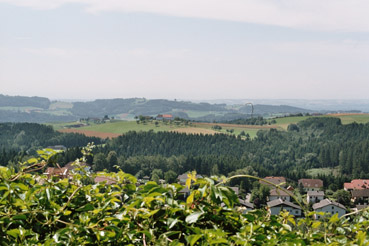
x,y
315,199
311,189
293,211
332,209
284,198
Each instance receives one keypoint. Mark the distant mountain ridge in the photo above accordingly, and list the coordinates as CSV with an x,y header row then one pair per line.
x,y
40,109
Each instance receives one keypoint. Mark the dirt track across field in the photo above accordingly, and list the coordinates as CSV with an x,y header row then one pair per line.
x,y
236,125
347,114
194,130
91,133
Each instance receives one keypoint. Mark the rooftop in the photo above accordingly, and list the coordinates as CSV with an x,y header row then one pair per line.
x,y
315,193
327,202
280,202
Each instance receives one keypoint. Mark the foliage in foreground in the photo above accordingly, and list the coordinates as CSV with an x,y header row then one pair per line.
x,y
37,211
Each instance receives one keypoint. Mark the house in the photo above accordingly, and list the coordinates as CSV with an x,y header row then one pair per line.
x,y
245,205
236,190
184,193
107,180
276,194
164,117
183,177
360,196
61,173
281,181
360,207
356,184
328,206
315,196
311,184
71,166
276,206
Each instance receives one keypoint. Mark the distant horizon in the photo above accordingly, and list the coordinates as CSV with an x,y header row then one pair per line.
x,y
187,99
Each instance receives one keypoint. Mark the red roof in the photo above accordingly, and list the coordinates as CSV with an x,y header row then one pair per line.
x,y
274,180
108,180
357,184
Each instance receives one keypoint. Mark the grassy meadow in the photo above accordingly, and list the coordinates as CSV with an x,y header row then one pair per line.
x,y
117,127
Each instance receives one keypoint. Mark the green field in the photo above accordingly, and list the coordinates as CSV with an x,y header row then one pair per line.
x,y
358,118
323,171
21,109
120,127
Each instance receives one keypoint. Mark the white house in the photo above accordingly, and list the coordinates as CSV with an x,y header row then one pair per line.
x,y
276,206
279,194
315,196
328,206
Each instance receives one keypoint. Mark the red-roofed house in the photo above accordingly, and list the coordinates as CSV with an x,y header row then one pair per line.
x,y
357,184
108,180
164,117
57,172
274,180
311,184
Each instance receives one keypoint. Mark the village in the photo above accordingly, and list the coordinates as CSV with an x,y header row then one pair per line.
x,y
280,198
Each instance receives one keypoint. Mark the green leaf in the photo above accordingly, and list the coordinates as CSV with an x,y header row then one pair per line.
x,y
192,218
192,239
14,233
87,207
316,224
171,222
19,217
190,199
32,160
334,218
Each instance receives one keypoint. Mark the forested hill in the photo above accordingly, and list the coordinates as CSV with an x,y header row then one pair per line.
x,y
136,106
17,139
20,101
314,143
42,110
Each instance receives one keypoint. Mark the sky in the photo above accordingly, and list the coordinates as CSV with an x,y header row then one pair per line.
x,y
185,49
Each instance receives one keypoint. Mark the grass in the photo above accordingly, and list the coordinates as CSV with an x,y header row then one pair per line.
x,y
323,171
21,109
285,121
358,118
120,127
60,105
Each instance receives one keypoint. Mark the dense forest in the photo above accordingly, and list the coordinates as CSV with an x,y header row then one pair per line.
x,y
17,140
313,143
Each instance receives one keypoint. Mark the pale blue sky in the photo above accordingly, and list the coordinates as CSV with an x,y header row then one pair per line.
x,y
185,49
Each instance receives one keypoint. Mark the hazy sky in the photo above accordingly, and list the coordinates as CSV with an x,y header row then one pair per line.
x,y
186,49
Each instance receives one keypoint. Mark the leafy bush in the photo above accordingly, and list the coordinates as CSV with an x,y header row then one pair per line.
x,y
40,211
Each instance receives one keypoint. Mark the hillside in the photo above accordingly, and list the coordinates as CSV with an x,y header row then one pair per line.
x,y
38,109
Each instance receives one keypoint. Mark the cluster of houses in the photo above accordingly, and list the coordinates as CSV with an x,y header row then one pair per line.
x,y
279,198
